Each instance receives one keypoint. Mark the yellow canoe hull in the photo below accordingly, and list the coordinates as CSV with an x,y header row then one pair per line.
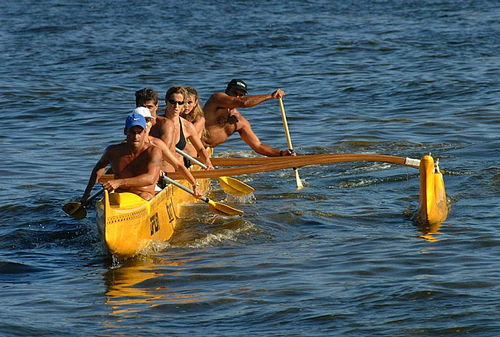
x,y
129,224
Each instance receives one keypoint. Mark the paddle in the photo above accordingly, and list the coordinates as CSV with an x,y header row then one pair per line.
x,y
216,207
78,210
289,141
279,163
228,184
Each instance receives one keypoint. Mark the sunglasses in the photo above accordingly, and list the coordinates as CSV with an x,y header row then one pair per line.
x,y
171,101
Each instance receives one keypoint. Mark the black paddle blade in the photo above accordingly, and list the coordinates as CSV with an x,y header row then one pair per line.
x,y
75,209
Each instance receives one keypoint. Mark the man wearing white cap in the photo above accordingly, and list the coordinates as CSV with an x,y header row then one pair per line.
x,y
166,153
135,163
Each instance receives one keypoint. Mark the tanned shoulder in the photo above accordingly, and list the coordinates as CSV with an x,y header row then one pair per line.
x,y
115,148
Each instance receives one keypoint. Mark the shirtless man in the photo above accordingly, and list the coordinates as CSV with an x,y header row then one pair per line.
x,y
222,119
135,163
167,155
148,98
161,127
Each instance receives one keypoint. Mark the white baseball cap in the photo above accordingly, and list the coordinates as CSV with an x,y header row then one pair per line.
x,y
144,112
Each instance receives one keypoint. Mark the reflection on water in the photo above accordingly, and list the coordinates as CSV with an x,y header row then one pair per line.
x,y
429,231
141,283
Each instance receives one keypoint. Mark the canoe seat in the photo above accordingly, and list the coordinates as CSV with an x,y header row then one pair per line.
x,y
125,199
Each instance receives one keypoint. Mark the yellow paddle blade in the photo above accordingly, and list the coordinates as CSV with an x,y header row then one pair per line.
x,y
223,209
297,178
75,209
234,186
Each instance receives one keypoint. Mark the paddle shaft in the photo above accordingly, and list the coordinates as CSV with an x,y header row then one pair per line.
x,y
215,207
182,187
285,125
89,200
289,142
196,161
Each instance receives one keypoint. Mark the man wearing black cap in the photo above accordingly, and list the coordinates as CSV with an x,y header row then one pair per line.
x,y
222,119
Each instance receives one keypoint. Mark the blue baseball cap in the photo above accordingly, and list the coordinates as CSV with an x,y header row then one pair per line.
x,y
135,119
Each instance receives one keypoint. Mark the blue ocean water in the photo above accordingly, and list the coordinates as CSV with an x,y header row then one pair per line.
x,y
341,257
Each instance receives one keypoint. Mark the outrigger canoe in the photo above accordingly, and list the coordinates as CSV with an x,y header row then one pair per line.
x,y
129,224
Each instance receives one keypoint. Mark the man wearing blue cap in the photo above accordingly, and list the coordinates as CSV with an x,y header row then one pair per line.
x,y
135,163
222,118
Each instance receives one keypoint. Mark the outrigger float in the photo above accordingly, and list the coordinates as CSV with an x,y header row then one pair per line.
x,y
129,224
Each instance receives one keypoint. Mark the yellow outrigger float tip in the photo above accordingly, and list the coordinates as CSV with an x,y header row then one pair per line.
x,y
434,206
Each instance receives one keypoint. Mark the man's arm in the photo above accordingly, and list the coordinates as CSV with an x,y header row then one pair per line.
x,y
254,142
177,165
167,134
199,126
197,144
96,174
222,100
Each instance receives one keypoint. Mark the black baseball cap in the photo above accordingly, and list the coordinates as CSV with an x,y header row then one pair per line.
x,y
237,84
